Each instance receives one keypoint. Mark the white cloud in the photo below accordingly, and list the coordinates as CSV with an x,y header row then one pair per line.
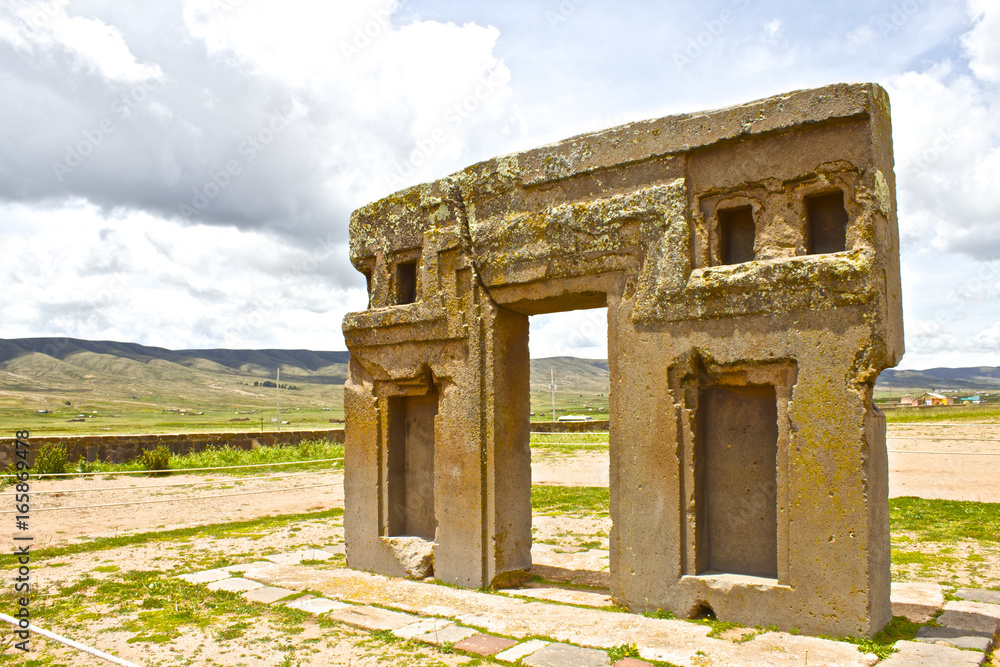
x,y
149,281
989,338
42,27
385,94
982,43
579,333
947,143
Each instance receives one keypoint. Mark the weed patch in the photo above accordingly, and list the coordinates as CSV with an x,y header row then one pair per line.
x,y
570,499
945,520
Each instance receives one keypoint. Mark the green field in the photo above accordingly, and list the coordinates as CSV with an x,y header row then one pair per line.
x,y
84,387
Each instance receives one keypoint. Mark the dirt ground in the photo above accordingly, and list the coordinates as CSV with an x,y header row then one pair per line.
x,y
925,460
951,462
218,502
945,461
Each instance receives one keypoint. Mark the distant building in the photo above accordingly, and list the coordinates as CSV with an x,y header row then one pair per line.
x,y
576,418
931,398
971,399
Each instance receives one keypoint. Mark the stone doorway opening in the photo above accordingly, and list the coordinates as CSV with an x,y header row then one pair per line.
x,y
569,440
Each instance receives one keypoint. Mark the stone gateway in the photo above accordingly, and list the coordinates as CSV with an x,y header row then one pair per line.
x,y
749,262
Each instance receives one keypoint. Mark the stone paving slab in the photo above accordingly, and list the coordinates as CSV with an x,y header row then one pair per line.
x,y
918,602
372,618
246,567
567,655
558,563
365,588
515,653
315,605
235,585
422,627
976,616
979,595
556,573
631,662
484,644
446,635
668,640
251,570
567,596
295,557
673,641
267,594
773,649
336,549
917,654
206,576
969,639
595,579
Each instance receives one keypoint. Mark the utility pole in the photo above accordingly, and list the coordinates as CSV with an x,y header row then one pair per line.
x,y
552,388
277,395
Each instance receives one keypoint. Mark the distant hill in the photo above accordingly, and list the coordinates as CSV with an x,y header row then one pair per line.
x,y
585,376
66,366
976,377
55,372
295,365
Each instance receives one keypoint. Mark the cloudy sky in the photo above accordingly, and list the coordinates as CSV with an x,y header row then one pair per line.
x,y
180,173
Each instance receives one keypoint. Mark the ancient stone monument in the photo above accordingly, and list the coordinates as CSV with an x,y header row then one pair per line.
x,y
749,262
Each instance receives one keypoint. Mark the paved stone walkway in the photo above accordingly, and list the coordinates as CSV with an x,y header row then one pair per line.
x,y
506,625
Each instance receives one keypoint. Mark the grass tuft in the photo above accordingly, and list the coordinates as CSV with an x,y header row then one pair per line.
x,y
946,520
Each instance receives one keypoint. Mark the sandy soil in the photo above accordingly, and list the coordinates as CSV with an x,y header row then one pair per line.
x,y
925,460
947,462
285,495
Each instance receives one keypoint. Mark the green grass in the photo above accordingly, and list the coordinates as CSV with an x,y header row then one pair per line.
x,y
257,526
569,443
570,499
217,457
946,520
949,413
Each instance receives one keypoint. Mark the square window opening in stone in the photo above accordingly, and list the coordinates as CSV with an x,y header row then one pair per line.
x,y
410,466
826,222
406,282
736,466
737,235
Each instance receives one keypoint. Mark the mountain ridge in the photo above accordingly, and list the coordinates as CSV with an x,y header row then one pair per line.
x,y
80,359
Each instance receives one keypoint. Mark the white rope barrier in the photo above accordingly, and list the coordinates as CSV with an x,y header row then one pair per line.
x,y
171,500
69,642
570,443
917,451
949,439
182,470
242,480
918,423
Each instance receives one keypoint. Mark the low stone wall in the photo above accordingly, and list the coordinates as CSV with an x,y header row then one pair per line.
x,y
570,427
124,448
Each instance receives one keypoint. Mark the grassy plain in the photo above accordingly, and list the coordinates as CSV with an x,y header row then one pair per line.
x,y
119,390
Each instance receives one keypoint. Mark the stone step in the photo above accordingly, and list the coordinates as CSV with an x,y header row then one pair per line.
x,y
441,615
917,654
678,642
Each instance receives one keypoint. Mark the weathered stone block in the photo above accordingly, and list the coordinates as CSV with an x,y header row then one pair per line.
x,y
749,262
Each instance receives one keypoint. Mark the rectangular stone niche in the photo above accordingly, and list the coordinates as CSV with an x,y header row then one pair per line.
x,y
406,283
410,463
827,222
736,480
737,234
